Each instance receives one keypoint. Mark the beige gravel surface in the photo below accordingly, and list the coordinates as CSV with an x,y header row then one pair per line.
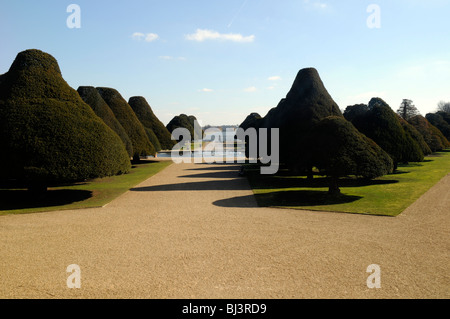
x,y
195,231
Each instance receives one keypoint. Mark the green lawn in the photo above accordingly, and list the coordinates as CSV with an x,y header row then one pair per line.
x,y
389,195
94,193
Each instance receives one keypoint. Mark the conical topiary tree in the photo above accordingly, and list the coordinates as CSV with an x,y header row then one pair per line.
x,y
383,126
432,136
440,123
445,115
126,117
47,133
198,131
145,114
184,121
353,111
91,97
415,135
306,104
253,120
339,149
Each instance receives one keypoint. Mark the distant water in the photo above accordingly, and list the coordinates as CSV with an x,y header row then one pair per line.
x,y
225,138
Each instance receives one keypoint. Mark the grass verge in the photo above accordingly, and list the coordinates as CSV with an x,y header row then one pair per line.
x,y
389,195
89,194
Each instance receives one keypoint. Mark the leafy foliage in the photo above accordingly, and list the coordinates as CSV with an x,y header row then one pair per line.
x,y
92,98
415,135
438,120
407,110
306,104
145,114
47,133
383,126
253,120
339,149
432,136
184,121
126,117
353,111
444,107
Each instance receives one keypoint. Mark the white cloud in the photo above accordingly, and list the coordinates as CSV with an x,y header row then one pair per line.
x,y
271,88
202,35
250,89
168,57
274,78
206,90
149,37
138,36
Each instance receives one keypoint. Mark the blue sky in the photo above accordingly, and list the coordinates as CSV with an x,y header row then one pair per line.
x,y
223,59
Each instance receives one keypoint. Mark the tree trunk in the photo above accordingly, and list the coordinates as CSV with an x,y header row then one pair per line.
x,y
333,187
310,174
136,158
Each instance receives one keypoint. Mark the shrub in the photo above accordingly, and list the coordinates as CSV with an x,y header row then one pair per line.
x,y
126,117
353,111
382,125
92,98
47,133
184,121
306,104
253,120
432,136
145,114
415,135
339,149
440,123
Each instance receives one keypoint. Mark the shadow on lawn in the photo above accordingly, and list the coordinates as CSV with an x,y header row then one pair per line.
x,y
272,182
14,199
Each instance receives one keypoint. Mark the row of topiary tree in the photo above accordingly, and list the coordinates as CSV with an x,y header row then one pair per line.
x,y
187,122
365,141
50,133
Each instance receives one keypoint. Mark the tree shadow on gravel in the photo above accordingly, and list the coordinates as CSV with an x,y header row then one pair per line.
x,y
234,184
215,167
214,174
288,199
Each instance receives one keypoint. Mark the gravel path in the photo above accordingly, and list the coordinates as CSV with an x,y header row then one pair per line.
x,y
194,231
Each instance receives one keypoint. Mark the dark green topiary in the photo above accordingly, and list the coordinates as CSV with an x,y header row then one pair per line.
x,y
198,131
415,135
153,138
253,120
126,117
92,98
339,149
436,132
184,121
47,133
306,104
145,114
353,111
432,136
383,126
445,115
438,121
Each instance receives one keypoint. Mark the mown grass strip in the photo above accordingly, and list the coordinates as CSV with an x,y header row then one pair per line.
x,y
389,195
94,193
